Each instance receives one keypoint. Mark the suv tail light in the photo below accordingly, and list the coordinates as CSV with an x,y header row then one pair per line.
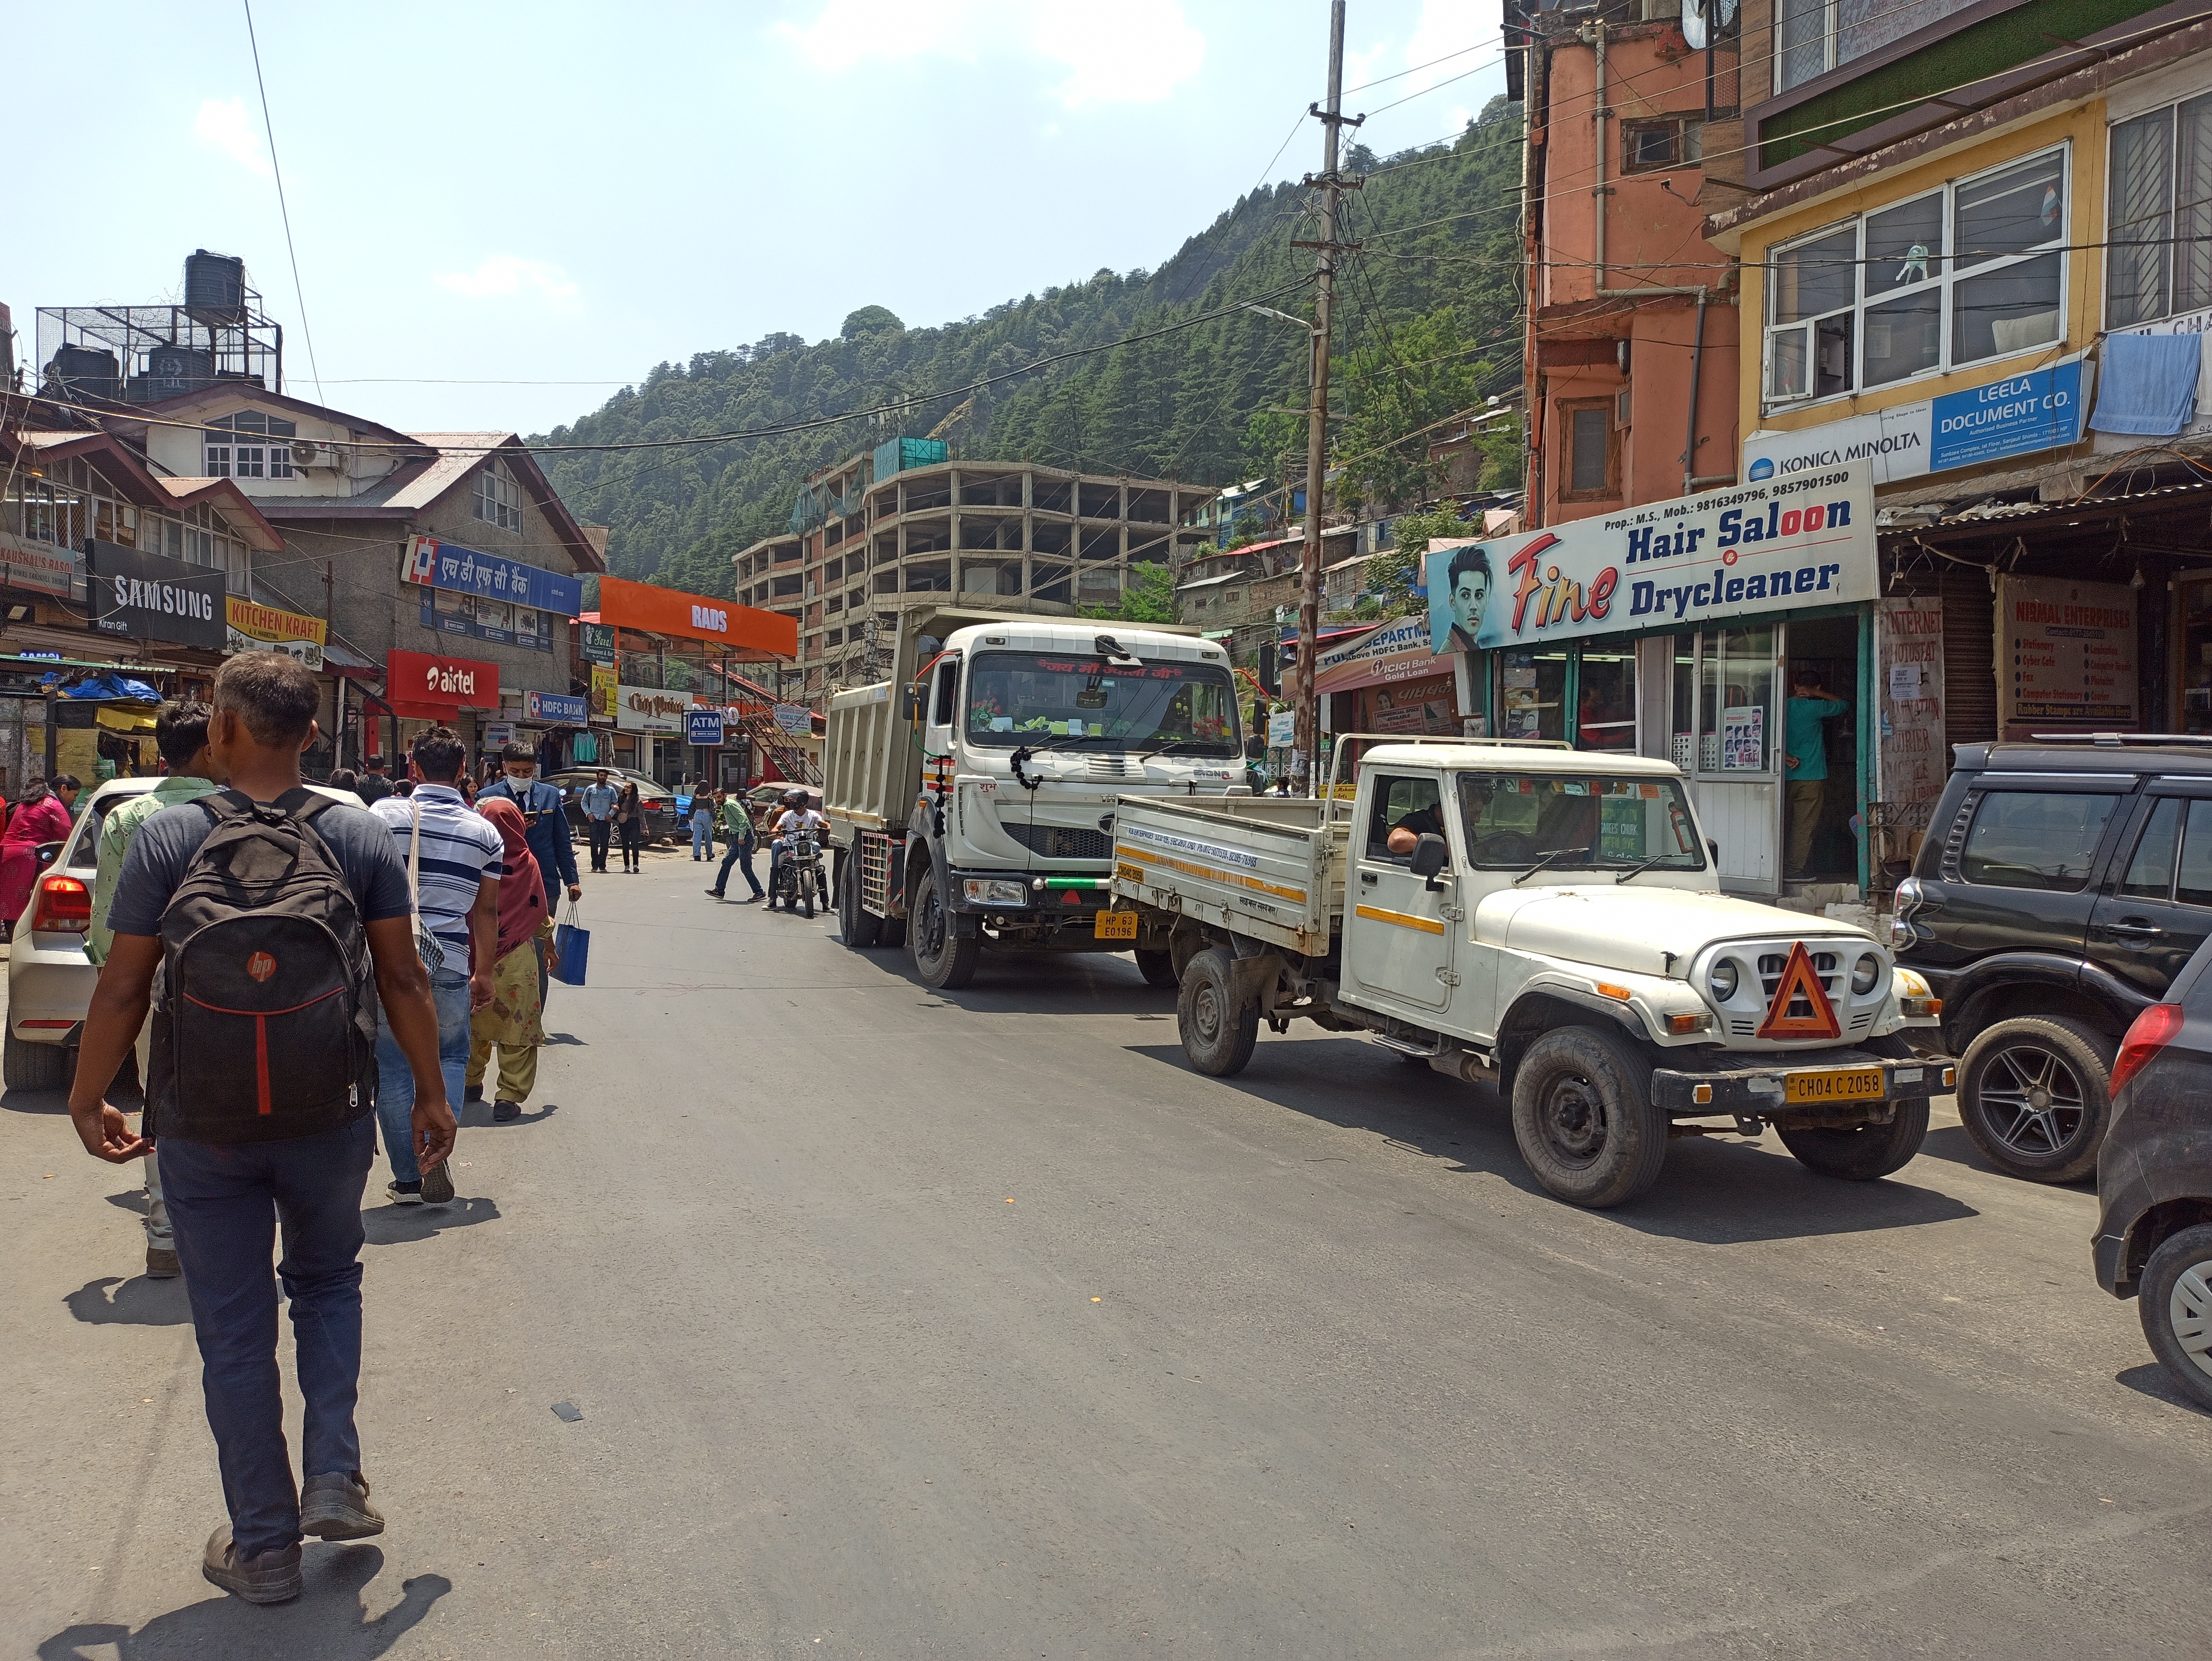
x,y
65,906
2152,1031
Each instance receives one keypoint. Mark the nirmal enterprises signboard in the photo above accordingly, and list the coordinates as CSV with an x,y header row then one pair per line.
x,y
2012,416
152,597
1688,563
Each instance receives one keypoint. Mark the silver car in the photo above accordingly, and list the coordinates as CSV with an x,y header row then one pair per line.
x,y
50,979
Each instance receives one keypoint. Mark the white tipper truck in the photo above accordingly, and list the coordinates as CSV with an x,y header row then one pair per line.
x,y
971,796
1545,920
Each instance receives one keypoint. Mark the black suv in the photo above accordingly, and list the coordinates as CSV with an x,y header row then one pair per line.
x,y
2060,889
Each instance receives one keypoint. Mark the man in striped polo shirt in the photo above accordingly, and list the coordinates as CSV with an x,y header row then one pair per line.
x,y
456,868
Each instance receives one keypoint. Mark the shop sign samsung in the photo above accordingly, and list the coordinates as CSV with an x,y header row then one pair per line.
x,y
2017,416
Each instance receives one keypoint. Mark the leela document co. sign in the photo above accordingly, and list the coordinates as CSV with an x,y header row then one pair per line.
x,y
1688,563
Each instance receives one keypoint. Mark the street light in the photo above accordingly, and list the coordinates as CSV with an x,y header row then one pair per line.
x,y
1306,752
1269,311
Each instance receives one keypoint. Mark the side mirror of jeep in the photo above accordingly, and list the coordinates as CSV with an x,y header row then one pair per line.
x,y
1431,854
1713,847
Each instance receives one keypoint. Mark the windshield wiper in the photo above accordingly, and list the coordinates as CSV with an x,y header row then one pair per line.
x,y
1639,870
1557,853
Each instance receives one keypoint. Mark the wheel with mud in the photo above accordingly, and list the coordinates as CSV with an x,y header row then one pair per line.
x,y
1218,1031
1584,1115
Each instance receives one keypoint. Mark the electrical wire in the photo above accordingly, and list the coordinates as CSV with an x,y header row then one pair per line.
x,y
276,173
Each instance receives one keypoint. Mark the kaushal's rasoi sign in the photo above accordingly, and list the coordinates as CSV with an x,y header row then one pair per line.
x,y
1780,545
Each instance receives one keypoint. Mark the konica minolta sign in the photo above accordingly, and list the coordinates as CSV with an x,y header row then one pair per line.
x,y
2016,416
153,597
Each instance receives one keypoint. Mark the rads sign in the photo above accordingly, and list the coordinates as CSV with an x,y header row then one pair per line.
x,y
1787,543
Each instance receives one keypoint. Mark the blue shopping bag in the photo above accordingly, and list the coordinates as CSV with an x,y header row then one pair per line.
x,y
572,945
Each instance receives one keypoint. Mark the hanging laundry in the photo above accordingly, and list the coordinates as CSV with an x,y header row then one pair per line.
x,y
2146,384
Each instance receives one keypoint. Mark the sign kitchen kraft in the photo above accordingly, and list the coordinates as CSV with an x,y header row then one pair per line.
x,y
1697,560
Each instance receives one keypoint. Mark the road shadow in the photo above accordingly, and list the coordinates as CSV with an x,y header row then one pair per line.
x,y
402,1225
36,1101
138,1302
2154,1381
565,1038
329,1621
1711,1192
1037,983
131,1199
535,1115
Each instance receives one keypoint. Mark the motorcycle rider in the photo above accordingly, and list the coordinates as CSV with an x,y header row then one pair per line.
x,y
796,818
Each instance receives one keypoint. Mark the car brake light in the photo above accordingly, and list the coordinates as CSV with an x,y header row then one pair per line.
x,y
65,906
2153,1031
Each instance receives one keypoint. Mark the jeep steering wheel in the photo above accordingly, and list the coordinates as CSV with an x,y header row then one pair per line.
x,y
1513,845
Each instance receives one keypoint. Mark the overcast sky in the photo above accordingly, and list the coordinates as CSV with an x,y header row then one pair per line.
x,y
488,193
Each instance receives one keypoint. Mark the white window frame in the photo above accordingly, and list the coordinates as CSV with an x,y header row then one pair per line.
x,y
1944,280
2170,113
231,450
498,497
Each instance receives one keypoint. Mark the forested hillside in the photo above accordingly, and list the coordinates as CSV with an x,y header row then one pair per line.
x,y
1426,327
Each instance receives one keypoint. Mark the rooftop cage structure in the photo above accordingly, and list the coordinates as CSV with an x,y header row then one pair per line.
x,y
143,354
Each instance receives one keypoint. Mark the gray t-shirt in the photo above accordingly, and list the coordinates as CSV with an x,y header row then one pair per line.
x,y
164,847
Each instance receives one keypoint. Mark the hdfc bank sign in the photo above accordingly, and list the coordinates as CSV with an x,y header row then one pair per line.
x,y
438,684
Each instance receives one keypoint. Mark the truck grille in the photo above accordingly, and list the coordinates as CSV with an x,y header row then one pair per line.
x,y
1772,964
1062,842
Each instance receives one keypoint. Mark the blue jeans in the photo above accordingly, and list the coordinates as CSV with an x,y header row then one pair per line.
x,y
741,855
703,840
226,1205
395,1080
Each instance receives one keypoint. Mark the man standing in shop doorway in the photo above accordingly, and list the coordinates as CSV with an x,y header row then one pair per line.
x,y
1810,705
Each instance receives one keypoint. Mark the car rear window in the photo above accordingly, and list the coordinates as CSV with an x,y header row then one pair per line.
x,y
2035,839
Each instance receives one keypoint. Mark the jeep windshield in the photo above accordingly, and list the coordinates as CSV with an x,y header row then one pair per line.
x,y
1590,820
1042,700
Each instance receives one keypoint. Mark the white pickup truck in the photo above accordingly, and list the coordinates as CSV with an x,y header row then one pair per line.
x,y
1544,919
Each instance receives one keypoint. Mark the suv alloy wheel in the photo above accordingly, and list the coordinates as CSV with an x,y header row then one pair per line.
x,y
2034,1093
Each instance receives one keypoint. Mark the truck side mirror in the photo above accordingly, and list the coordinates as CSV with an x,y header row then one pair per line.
x,y
909,703
1255,748
1431,854
1713,847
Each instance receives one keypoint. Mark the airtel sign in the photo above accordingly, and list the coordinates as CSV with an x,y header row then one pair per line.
x,y
439,685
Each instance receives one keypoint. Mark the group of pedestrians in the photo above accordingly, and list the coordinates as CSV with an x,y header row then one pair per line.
x,y
293,972
613,813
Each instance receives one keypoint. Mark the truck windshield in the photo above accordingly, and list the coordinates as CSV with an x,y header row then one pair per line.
x,y
1032,697
1585,819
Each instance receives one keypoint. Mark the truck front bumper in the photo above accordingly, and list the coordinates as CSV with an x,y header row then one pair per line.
x,y
1804,1086
1062,896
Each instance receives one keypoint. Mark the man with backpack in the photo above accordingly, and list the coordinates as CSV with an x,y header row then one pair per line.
x,y
265,925
453,858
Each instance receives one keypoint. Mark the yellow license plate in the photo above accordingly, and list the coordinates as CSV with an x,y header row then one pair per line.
x,y
1841,1084
1122,926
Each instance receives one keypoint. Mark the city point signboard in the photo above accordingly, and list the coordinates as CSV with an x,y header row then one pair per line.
x,y
650,709
626,604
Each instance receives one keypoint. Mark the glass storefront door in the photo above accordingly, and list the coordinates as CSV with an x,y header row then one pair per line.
x,y
1736,777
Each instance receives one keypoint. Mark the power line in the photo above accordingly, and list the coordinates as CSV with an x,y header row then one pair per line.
x,y
299,294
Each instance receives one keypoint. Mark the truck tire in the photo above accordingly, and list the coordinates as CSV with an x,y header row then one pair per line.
x,y
2035,1094
859,927
944,959
1157,967
1864,1152
2176,1294
1217,1033
35,1065
1584,1115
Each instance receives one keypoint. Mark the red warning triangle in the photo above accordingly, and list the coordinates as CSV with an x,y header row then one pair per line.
x,y
1800,1008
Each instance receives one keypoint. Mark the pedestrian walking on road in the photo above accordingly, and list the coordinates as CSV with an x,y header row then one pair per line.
x,y
512,1019
451,857
260,1102
42,816
373,787
738,831
630,824
597,800
702,827
344,778
548,823
180,734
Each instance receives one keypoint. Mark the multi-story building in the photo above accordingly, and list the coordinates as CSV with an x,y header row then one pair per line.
x,y
906,526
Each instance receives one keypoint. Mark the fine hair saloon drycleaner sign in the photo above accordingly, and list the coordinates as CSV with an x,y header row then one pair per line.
x,y
1781,546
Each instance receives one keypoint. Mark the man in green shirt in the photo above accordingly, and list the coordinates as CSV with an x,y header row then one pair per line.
x,y
738,831
180,734
1807,752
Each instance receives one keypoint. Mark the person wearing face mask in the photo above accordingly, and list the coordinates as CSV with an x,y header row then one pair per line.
x,y
545,829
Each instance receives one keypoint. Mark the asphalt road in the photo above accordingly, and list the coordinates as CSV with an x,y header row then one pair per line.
x,y
904,1324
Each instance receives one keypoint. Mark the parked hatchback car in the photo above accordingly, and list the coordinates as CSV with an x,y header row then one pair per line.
x,y
658,800
49,979
2061,887
2153,1239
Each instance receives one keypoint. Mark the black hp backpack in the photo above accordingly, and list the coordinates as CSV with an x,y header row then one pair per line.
x,y
267,992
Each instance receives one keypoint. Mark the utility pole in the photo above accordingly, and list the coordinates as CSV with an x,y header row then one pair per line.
x,y
1305,757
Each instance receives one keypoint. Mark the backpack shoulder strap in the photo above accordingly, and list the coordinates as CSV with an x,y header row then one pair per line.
x,y
226,804
302,803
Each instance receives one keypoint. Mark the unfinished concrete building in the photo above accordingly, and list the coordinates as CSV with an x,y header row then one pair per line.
x,y
906,526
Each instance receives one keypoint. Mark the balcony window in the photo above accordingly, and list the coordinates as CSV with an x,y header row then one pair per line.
x,y
1959,276
498,498
251,444
1655,146
1815,36
2160,217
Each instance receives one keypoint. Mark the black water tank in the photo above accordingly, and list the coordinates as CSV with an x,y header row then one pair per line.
x,y
173,371
86,372
214,288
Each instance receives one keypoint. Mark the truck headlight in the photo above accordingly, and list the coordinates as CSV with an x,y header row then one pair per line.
x,y
1864,973
1721,982
992,890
